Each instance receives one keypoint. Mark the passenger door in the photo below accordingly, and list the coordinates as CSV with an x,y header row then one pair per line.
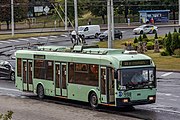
x,y
27,75
60,79
107,85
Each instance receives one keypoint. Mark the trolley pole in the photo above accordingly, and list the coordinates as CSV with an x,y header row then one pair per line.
x,y
12,17
109,23
76,20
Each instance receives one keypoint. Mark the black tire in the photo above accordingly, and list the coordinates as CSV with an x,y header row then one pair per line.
x,y
120,37
40,91
141,32
101,40
96,35
93,100
12,76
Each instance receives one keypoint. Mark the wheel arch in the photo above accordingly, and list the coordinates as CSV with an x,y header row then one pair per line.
x,y
96,92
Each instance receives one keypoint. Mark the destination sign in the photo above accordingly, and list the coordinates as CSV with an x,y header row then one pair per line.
x,y
136,63
39,56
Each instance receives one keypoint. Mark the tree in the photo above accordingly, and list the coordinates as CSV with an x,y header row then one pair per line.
x,y
20,11
144,35
135,40
98,8
140,39
156,36
167,44
175,41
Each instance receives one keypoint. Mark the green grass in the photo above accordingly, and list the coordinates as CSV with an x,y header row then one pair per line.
x,y
167,63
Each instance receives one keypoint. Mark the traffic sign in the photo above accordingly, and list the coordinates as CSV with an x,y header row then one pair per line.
x,y
46,9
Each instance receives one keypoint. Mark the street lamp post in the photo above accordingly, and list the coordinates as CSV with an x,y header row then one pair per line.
x,y
12,17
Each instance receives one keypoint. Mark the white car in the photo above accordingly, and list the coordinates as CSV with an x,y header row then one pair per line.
x,y
88,31
145,29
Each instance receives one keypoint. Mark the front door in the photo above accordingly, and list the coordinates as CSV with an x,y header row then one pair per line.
x,y
27,75
107,85
60,79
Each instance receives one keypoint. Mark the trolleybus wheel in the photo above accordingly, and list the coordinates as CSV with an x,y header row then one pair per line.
x,y
93,100
40,91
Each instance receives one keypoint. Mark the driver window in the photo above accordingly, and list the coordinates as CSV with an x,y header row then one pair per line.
x,y
86,29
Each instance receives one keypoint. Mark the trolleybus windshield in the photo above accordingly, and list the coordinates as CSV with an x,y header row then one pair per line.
x,y
137,78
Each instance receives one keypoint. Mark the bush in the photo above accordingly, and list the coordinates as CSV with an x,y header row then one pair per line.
x,y
145,39
177,52
161,41
7,116
150,45
164,53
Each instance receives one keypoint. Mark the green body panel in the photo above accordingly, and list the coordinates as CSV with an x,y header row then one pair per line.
x,y
19,83
64,92
58,92
103,98
80,92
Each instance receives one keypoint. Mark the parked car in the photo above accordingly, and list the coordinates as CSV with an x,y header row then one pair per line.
x,y
7,69
88,31
117,34
145,29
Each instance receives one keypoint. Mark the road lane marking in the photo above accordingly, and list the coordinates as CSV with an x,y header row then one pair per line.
x,y
1,88
166,74
33,38
43,37
168,94
23,39
5,42
53,36
14,40
64,35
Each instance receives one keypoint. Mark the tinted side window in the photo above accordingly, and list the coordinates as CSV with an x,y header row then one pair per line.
x,y
19,67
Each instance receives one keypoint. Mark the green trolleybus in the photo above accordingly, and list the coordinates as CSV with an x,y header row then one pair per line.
x,y
112,77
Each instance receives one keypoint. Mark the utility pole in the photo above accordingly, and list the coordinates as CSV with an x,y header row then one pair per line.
x,y
12,17
179,12
112,19
109,23
76,19
65,14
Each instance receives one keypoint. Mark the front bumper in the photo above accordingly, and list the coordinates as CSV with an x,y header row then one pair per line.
x,y
120,103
